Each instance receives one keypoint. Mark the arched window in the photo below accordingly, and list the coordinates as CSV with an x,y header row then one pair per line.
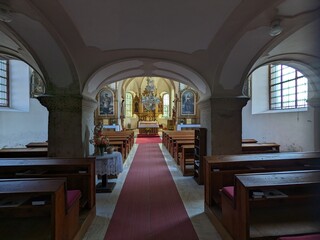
x,y
166,105
288,88
128,104
4,83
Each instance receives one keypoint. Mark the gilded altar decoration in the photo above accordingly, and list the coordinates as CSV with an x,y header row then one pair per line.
x,y
149,96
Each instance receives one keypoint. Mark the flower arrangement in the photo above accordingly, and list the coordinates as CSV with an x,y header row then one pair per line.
x,y
100,141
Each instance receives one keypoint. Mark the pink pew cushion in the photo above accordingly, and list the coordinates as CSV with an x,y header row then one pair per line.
x,y
229,191
72,196
304,237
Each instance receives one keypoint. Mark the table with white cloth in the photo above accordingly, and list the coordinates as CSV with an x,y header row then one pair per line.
x,y
108,164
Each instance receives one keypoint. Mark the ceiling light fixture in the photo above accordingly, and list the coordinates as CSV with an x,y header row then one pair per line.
x,y
5,13
149,96
275,28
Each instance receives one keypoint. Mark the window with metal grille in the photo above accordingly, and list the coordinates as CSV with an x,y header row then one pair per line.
x,y
128,104
288,88
166,105
4,83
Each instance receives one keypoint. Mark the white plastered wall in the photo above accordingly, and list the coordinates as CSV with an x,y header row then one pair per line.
x,y
293,130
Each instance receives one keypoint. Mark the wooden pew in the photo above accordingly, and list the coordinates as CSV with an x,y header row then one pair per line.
x,y
177,148
166,134
221,169
120,146
288,205
174,137
37,144
260,148
23,152
249,140
127,137
187,160
80,173
128,133
59,206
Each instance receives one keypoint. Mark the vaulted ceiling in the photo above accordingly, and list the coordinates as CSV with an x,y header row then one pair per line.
x,y
210,44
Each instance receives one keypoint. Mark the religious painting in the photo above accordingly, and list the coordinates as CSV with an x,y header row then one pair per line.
x,y
188,103
136,101
37,86
106,102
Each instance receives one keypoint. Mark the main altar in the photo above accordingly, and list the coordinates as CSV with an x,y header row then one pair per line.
x,y
148,127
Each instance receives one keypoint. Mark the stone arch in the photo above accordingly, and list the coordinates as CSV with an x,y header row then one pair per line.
x,y
145,67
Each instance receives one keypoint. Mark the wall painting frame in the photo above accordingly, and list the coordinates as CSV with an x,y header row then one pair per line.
x,y
106,100
188,102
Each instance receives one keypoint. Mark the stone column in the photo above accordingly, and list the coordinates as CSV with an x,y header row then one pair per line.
x,y
88,108
315,103
65,125
226,124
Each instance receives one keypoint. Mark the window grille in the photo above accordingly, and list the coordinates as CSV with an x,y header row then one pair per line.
x,y
128,104
4,83
288,88
166,105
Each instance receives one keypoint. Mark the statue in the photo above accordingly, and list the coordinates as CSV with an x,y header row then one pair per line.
x,y
98,129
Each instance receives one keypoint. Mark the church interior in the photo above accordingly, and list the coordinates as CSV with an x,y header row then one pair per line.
x,y
227,92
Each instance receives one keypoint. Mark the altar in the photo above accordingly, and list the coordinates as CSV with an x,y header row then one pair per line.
x,y
148,127
112,127
108,164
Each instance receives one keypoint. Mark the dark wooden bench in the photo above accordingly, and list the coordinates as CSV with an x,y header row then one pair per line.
x,y
260,147
272,204
52,210
37,144
177,148
80,173
187,160
221,169
166,134
23,152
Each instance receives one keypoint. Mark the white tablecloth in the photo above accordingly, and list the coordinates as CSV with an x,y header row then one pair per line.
x,y
148,124
109,164
180,126
115,127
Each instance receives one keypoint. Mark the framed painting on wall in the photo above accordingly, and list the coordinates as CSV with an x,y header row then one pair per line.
x,y
106,102
188,103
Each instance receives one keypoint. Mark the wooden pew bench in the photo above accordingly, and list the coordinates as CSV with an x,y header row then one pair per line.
x,y
166,135
301,237
127,137
172,141
187,160
260,148
79,172
177,150
220,169
37,144
44,201
273,204
23,152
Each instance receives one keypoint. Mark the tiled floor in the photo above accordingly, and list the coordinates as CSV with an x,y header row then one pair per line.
x,y
191,193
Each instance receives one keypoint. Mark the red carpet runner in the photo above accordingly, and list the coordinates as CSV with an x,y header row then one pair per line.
x,y
149,206
148,140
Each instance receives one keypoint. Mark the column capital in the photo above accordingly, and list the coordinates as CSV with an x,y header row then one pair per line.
x,y
229,103
71,103
314,102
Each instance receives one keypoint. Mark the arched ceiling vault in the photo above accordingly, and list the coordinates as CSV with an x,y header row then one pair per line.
x,y
210,45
